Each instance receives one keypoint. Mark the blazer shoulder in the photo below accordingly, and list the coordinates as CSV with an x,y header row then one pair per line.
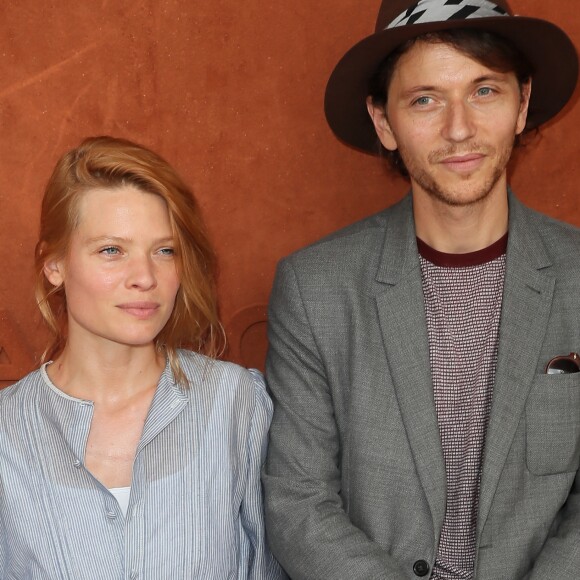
x,y
353,245
561,239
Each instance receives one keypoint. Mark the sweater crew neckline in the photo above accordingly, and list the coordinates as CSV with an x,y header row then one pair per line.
x,y
476,258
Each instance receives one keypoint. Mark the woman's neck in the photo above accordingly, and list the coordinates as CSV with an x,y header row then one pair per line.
x,y
107,374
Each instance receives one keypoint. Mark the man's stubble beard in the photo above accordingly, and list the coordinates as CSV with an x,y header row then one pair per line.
x,y
460,198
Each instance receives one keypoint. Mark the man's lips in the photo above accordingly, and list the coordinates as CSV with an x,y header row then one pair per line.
x,y
463,163
139,309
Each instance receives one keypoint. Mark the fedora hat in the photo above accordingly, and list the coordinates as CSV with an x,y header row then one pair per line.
x,y
546,46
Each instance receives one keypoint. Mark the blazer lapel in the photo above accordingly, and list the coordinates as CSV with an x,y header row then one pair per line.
x,y
401,314
526,307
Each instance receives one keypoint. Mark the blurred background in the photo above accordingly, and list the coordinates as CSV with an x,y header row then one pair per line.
x,y
231,94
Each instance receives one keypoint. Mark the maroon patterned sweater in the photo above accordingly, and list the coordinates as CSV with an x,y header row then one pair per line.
x,y
463,296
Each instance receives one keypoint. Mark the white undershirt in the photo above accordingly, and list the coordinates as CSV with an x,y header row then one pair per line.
x,y
122,494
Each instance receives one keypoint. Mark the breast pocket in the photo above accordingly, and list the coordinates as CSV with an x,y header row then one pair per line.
x,y
553,424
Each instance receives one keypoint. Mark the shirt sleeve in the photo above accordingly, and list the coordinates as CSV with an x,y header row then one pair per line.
x,y
260,564
2,536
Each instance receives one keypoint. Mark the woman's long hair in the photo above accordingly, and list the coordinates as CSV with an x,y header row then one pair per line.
x,y
107,162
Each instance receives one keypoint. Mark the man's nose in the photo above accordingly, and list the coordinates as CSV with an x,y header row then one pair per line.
x,y
458,123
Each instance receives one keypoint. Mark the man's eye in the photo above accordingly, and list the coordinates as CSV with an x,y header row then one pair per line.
x,y
484,91
422,101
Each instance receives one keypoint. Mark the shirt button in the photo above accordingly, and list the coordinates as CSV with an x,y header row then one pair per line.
x,y
111,514
421,568
77,463
134,574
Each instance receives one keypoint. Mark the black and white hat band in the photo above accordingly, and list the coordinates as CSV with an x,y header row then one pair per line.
x,y
441,10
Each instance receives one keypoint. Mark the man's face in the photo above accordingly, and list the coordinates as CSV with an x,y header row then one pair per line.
x,y
453,121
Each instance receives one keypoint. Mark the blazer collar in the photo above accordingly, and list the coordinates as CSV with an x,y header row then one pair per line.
x,y
399,254
527,302
401,313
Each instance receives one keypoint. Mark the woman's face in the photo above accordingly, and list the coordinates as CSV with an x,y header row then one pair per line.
x,y
119,275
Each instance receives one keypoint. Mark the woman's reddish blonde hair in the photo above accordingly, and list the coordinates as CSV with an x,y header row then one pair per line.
x,y
108,162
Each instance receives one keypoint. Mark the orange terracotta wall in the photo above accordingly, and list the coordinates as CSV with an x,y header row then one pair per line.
x,y
231,93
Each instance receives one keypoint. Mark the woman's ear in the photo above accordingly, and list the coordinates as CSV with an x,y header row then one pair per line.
x,y
54,272
378,116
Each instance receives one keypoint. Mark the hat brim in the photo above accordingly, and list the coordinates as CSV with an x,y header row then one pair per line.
x,y
547,47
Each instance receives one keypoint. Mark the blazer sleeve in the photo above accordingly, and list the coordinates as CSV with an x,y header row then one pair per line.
x,y
256,560
560,556
309,531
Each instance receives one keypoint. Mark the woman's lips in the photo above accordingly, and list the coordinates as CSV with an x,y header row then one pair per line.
x,y
140,310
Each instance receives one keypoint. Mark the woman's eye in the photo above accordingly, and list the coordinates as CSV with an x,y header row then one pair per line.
x,y
167,251
110,251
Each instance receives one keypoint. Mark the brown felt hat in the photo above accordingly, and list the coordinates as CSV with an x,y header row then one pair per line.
x,y
546,46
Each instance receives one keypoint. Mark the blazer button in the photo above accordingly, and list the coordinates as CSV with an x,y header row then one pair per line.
x,y
421,568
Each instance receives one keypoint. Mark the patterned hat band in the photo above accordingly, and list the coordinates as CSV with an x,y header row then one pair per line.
x,y
441,10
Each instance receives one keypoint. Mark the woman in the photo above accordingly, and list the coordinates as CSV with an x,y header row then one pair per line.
x,y
126,457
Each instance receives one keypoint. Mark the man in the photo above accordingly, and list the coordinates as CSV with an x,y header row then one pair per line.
x,y
418,428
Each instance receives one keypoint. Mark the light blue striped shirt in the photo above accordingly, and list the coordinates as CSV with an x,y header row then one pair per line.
x,y
195,509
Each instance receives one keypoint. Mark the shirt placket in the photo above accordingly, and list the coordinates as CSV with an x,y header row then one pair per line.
x,y
135,525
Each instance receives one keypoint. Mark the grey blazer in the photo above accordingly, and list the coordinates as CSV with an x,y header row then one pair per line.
x,y
355,480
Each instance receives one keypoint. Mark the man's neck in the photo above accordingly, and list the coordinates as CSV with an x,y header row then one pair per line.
x,y
460,229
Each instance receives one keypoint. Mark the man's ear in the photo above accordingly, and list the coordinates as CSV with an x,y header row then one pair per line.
x,y
382,127
54,272
525,94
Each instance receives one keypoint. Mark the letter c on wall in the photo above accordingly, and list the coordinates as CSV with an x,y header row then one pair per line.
x,y
247,337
